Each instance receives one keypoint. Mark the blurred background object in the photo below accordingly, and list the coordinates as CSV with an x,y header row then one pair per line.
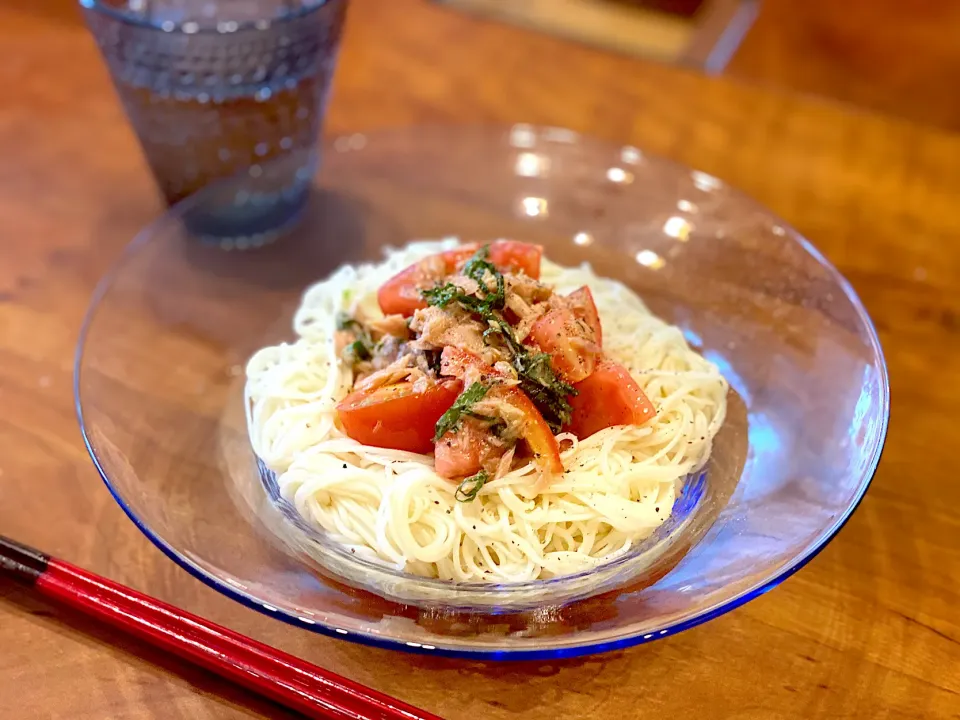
x,y
702,33
896,57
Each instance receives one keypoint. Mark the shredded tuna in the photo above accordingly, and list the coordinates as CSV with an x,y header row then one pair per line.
x,y
468,285
529,290
403,370
421,383
391,325
441,327
506,370
526,314
503,467
493,405
342,338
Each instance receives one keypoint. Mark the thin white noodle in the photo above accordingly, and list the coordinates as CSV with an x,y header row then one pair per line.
x,y
619,484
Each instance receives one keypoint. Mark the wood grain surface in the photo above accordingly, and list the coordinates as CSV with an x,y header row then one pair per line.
x,y
869,629
896,57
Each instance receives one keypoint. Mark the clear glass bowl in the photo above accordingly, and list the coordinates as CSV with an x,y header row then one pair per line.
x,y
159,384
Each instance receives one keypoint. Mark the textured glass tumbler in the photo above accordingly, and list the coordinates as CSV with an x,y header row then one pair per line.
x,y
217,87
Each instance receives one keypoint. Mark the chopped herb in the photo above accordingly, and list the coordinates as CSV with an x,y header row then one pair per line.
x,y
477,268
345,322
450,420
442,295
359,349
539,381
468,489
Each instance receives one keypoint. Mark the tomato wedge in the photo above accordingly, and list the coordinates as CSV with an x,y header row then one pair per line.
x,y
516,257
583,306
469,367
569,341
396,417
537,435
400,295
465,452
534,431
608,397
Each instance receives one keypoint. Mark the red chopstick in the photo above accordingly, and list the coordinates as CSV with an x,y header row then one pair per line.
x,y
306,688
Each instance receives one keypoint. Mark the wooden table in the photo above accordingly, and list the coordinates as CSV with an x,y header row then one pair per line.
x,y
868,630
892,56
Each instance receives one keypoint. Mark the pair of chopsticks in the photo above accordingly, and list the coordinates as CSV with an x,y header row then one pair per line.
x,y
298,685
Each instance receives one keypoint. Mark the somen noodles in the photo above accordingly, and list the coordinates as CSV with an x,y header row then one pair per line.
x,y
515,518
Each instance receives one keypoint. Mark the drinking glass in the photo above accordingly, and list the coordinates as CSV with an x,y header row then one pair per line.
x,y
217,87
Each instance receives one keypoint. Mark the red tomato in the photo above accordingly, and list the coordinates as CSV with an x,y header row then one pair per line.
x,y
569,341
395,416
583,306
465,452
609,396
401,293
516,257
536,433
456,362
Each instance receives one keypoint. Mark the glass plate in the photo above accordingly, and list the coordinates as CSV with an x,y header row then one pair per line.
x,y
159,381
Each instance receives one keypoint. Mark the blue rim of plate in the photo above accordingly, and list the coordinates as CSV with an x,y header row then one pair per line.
x,y
812,550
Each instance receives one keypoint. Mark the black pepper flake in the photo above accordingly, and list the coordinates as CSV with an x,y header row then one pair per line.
x,y
436,502
344,466
656,509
